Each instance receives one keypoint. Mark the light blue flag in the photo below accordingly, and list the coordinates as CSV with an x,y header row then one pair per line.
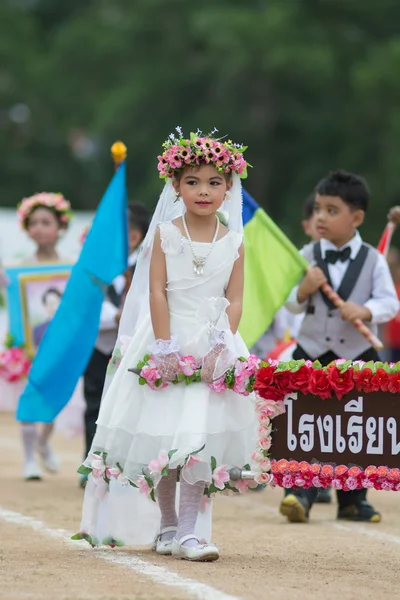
x,y
69,340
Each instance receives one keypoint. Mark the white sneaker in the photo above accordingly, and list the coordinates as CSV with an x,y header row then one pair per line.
x,y
164,547
49,459
32,471
200,552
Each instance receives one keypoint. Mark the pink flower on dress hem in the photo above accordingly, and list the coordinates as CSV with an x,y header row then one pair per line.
x,y
159,464
97,465
113,472
219,385
192,460
241,485
220,476
143,486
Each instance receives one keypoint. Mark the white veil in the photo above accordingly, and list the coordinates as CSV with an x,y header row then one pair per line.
x,y
137,306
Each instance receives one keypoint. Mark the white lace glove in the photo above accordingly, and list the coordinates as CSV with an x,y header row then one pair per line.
x,y
166,357
218,360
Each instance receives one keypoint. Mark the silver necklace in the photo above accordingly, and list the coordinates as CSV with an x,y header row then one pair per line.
x,y
199,261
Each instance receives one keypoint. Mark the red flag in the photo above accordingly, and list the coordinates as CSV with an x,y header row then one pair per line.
x,y
384,242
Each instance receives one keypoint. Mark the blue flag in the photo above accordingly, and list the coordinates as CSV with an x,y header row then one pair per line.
x,y
69,340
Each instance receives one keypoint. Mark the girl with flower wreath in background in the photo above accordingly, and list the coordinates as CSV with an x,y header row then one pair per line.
x,y
185,301
43,217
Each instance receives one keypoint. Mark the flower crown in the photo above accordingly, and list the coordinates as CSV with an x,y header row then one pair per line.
x,y
55,202
179,152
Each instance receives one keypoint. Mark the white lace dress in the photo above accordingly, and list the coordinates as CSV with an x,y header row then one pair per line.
x,y
136,424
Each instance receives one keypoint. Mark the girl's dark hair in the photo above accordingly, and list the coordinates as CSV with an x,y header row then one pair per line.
x,y
49,291
138,218
351,188
58,215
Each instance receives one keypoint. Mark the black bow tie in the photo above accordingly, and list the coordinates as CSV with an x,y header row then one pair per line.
x,y
332,256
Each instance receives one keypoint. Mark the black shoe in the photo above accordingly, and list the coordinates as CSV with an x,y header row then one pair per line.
x,y
360,511
294,508
324,496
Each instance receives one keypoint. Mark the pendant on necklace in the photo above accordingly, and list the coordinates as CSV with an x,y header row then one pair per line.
x,y
198,266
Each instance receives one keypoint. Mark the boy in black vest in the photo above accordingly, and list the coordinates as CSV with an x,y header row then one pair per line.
x,y
361,277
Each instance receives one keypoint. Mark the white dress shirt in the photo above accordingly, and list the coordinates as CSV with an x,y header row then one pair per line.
x,y
383,304
108,310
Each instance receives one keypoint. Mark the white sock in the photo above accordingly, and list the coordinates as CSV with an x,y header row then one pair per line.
x,y
166,494
44,437
189,506
29,440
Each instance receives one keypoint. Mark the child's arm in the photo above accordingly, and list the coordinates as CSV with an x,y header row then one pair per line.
x,y
158,293
310,283
383,304
234,292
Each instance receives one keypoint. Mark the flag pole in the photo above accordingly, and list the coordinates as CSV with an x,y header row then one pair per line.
x,y
119,153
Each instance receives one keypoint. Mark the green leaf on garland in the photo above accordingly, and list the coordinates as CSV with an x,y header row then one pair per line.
x,y
316,365
171,453
369,365
213,463
343,367
83,470
77,536
119,467
152,495
164,472
147,357
140,364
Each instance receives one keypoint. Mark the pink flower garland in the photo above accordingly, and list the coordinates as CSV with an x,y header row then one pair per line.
x,y
14,364
179,152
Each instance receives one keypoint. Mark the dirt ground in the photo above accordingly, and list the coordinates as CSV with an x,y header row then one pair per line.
x,y
262,556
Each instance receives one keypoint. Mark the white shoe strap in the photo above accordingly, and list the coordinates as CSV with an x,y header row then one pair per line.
x,y
167,530
185,538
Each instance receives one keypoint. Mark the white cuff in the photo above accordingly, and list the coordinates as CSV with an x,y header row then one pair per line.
x,y
164,347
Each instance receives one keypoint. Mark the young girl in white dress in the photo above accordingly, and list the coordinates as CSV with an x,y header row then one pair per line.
x,y
185,299
43,216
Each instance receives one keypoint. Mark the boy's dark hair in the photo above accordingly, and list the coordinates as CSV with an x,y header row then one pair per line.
x,y
351,188
308,207
51,290
138,218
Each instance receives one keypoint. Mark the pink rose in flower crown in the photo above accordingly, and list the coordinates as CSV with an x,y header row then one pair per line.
x,y
188,365
14,364
220,476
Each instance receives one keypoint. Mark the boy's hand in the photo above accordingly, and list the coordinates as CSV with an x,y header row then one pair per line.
x,y
312,281
350,311
394,215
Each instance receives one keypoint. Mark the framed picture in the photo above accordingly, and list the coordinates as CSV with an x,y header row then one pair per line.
x,y
33,294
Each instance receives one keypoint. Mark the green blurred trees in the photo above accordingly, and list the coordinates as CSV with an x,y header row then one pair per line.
x,y
308,85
